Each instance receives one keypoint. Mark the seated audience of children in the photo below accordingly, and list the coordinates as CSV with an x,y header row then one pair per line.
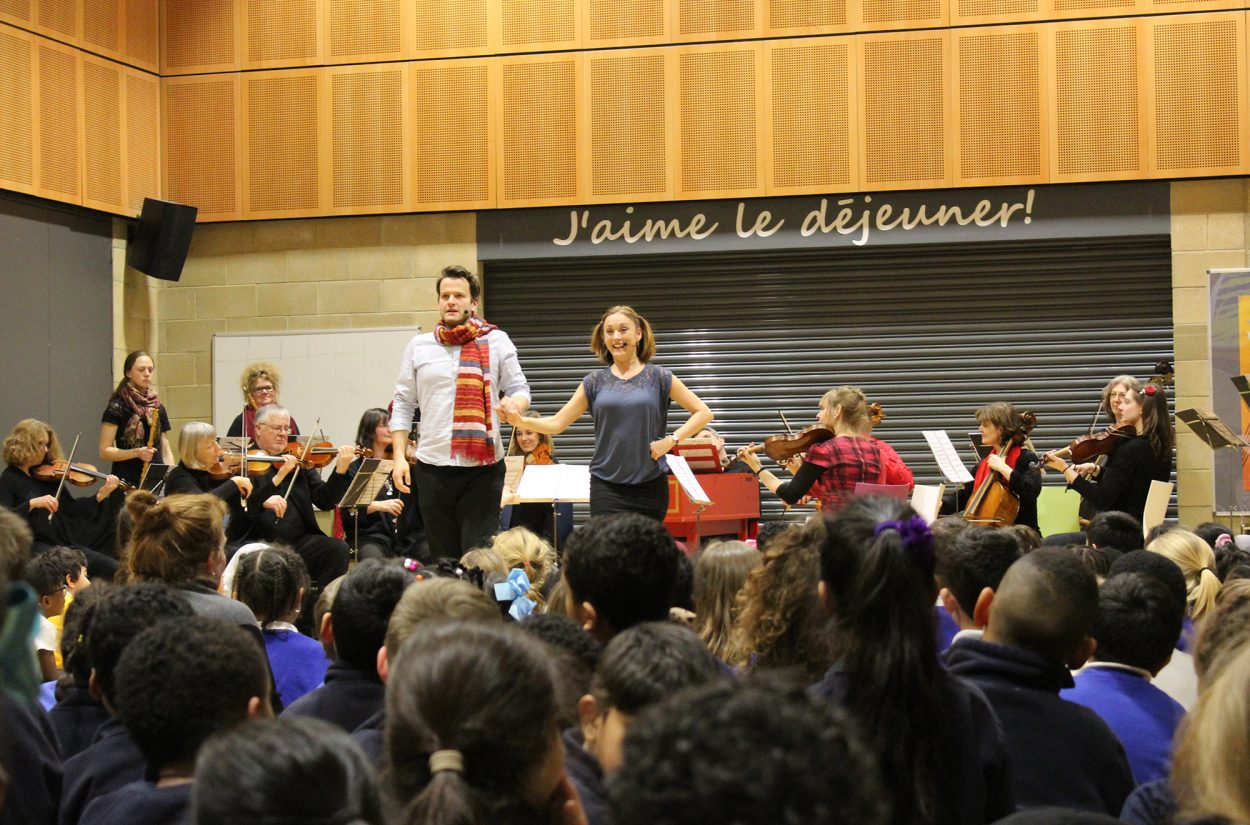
x,y
968,570
719,575
78,713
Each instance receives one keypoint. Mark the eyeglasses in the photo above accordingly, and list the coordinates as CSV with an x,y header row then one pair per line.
x,y
285,429
59,590
259,390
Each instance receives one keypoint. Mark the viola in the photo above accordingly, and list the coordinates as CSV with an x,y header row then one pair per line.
x,y
993,503
80,475
1088,447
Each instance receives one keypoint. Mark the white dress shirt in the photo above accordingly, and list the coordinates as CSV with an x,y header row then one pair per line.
x,y
427,381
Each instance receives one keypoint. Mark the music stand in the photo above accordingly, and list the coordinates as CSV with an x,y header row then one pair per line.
x,y
368,482
1217,435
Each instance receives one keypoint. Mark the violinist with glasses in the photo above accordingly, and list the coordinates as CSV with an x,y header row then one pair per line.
x,y
32,486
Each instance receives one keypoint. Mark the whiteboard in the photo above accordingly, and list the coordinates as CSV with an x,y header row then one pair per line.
x,y
331,375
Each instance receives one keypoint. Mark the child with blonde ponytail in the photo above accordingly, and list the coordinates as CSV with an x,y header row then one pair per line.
x,y
1196,560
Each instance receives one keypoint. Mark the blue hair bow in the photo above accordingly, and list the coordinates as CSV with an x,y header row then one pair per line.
x,y
515,590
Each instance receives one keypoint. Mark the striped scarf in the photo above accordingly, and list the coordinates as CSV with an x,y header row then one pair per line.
x,y
472,433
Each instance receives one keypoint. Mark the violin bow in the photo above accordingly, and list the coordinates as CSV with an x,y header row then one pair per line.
x,y
789,429
69,463
303,455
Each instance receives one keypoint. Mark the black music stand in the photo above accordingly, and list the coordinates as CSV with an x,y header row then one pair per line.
x,y
367,483
1217,435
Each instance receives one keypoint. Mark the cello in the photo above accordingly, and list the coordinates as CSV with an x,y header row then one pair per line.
x,y
993,504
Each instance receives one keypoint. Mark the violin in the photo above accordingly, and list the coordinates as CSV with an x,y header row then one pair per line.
x,y
320,454
80,475
540,455
787,445
388,453
993,503
1088,447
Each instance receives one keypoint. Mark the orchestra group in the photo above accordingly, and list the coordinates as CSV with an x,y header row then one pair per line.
x,y
947,638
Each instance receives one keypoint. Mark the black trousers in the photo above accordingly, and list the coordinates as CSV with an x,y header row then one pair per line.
x,y
325,557
649,498
459,505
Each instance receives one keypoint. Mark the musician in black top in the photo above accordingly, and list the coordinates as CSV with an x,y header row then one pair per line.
x,y
126,436
390,526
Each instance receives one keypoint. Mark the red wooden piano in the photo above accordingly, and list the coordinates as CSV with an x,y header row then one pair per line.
x,y
735,508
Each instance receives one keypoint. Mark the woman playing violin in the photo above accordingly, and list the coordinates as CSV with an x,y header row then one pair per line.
x,y
1123,483
1017,466
202,469
629,400
133,427
260,383
538,448
390,526
832,467
85,523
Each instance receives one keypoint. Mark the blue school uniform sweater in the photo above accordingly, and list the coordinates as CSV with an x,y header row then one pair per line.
x,y
1144,717
298,663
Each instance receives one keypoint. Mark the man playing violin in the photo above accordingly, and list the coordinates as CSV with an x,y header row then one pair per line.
x,y
280,507
55,516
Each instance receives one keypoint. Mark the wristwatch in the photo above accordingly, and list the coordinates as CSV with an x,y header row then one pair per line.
x,y
673,436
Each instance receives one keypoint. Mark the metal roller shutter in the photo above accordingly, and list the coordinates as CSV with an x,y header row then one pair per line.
x,y
931,332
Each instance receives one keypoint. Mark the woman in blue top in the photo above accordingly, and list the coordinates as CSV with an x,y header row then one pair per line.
x,y
629,401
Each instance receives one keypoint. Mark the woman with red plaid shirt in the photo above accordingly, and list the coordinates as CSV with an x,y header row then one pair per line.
x,y
838,464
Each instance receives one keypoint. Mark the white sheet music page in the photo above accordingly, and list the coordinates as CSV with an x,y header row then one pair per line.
x,y
554,482
685,477
947,457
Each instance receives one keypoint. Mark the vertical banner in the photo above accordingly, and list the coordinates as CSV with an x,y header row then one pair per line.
x,y
1230,357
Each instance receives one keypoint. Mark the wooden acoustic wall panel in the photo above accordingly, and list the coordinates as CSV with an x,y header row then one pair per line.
x,y
973,12
1198,80
904,14
718,19
202,144
59,19
1095,8
199,36
719,145
281,33
1193,5
625,22
538,25
102,26
143,138
628,125
788,17
360,30
60,148
999,77
140,41
904,88
453,134
368,113
102,135
282,175
18,12
814,116
1098,100
538,134
17,109
454,27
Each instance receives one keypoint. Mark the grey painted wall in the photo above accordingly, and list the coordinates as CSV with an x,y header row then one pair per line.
x,y
56,317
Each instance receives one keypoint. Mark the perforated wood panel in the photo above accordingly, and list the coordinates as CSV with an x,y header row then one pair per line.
x,y
452,26
198,35
904,94
628,125
20,12
102,25
143,138
139,45
619,22
367,138
281,33
966,12
999,75
903,14
1199,85
17,109
1077,8
713,19
718,145
102,134
453,126
60,19
365,29
281,129
1098,123
59,89
1170,6
531,24
201,144
806,16
538,130
813,117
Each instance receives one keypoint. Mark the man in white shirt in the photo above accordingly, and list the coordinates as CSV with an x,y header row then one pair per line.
x,y
461,377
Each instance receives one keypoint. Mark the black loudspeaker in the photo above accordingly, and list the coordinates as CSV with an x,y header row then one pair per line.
x,y
159,242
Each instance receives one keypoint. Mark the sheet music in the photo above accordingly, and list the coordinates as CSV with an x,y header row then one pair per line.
x,y
948,460
554,482
926,499
369,480
685,477
515,465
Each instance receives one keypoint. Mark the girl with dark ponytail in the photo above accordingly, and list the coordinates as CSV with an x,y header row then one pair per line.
x,y
935,736
471,730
